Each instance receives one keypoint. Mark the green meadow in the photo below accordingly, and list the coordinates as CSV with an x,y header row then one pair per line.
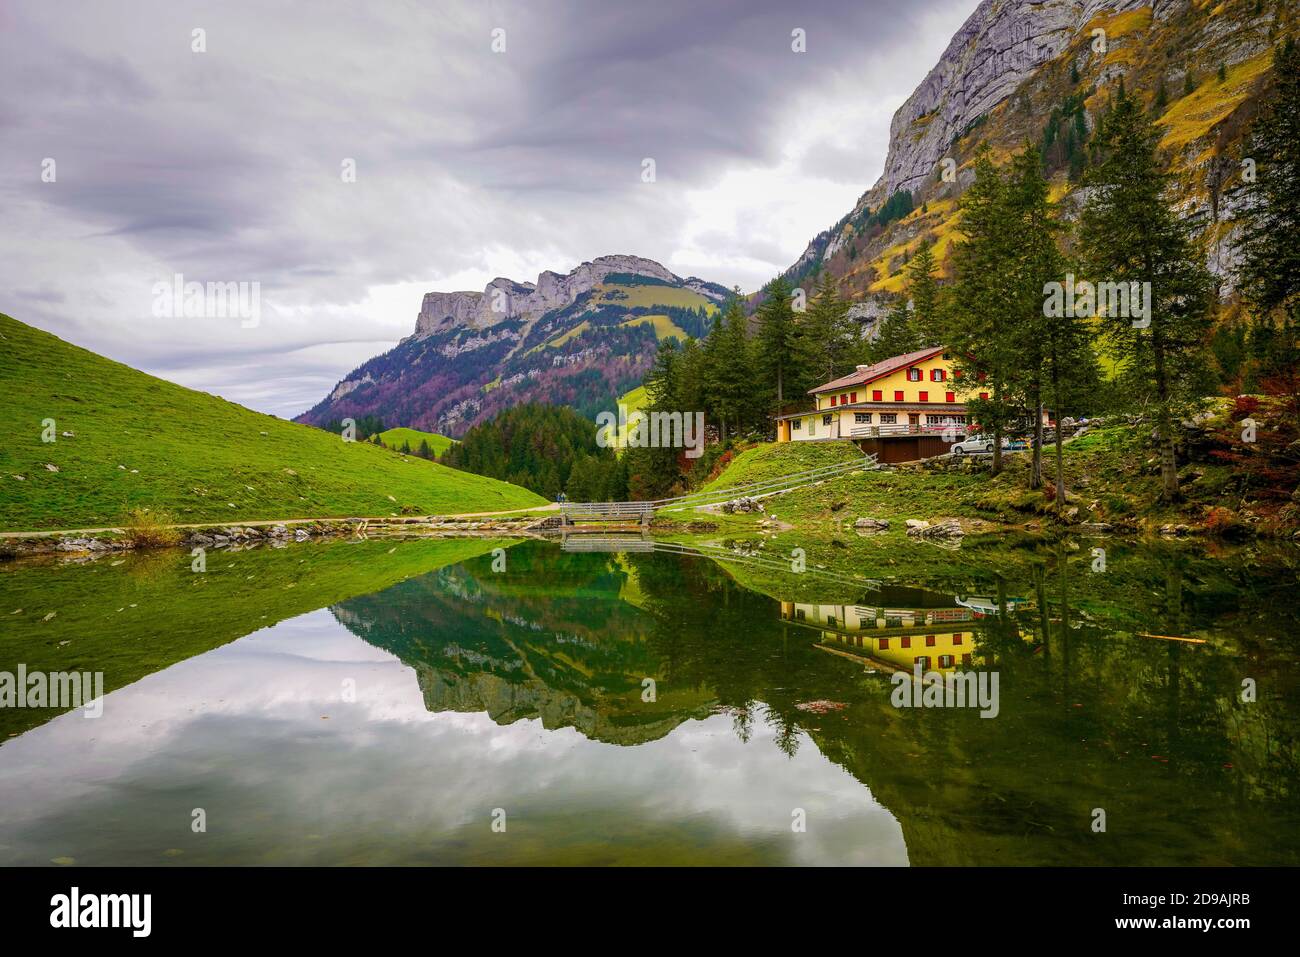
x,y
124,440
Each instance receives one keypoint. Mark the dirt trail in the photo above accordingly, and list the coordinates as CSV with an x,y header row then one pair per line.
x,y
262,522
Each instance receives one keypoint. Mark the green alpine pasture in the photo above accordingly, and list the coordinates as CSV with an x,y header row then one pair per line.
x,y
124,440
772,460
393,438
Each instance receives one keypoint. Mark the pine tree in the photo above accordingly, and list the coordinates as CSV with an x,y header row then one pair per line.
x,y
1130,234
1271,267
897,334
425,452
977,319
826,346
727,377
923,290
1056,356
776,336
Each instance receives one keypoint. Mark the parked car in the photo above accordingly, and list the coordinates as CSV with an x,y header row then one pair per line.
x,y
977,445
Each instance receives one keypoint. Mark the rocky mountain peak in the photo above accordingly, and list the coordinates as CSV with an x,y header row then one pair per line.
x,y
996,49
504,298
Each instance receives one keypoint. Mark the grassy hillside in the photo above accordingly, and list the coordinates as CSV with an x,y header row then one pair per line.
x,y
1112,476
128,440
633,401
774,459
393,438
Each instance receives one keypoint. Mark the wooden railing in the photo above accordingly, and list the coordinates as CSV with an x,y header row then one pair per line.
x,y
642,512
907,428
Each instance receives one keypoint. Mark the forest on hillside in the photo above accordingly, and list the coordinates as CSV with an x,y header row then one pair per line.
x,y
546,449
1013,244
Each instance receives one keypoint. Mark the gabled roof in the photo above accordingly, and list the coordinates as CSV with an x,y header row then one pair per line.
x,y
879,370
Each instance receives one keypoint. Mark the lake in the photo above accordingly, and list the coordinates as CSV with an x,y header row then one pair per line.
x,y
607,701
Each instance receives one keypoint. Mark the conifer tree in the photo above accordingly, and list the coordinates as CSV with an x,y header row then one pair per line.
x,y
978,318
775,337
1129,234
826,346
897,334
1271,249
727,380
923,290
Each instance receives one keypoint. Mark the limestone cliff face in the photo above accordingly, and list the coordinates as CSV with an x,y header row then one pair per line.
x,y
504,299
1016,67
1002,43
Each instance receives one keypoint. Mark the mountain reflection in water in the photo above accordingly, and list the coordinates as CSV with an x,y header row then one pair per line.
x,y
637,706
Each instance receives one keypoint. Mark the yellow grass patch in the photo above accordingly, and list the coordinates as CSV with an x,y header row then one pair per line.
x,y
654,296
664,327
1212,102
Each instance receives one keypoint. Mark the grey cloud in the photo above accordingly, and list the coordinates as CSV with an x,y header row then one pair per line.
x,y
225,165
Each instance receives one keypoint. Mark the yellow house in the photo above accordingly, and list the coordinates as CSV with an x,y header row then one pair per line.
x,y
895,639
917,394
899,638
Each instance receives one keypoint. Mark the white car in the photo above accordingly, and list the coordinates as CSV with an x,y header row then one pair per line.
x,y
974,445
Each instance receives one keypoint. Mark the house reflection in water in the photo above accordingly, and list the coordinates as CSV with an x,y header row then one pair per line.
x,y
936,631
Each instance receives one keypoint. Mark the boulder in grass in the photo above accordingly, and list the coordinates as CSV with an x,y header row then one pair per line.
x,y
948,528
872,524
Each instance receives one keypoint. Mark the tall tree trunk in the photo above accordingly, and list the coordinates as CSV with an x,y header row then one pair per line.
x,y
1060,466
997,431
1036,468
1164,426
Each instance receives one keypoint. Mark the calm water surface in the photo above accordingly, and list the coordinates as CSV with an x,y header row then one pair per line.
x,y
384,702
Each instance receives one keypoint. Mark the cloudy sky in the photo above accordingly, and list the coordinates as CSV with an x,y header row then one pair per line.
x,y
227,165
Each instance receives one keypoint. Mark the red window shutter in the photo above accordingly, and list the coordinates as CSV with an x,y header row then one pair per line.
x,y
877,396
884,644
924,396
853,397
907,642
952,397
956,639
833,401
898,396
929,641
984,395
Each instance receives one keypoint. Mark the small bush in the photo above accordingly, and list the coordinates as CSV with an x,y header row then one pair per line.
x,y
150,528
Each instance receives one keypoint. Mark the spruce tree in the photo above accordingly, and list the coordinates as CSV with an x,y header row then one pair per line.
x,y
923,290
776,336
978,319
1129,234
897,334
1271,267
727,377
1056,358
826,345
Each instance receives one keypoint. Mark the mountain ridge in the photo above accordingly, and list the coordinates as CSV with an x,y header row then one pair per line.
x,y
1017,66
580,339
